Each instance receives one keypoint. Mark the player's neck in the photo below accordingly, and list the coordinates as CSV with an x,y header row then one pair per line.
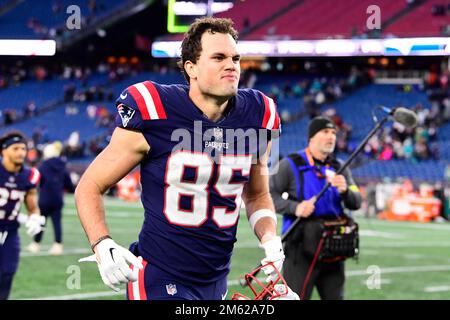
x,y
11,167
211,107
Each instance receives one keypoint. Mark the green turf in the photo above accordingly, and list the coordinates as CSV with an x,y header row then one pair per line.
x,y
414,258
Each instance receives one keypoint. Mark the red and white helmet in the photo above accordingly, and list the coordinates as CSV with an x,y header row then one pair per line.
x,y
273,290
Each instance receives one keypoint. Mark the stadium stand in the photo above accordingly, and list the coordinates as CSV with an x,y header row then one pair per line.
x,y
310,20
47,16
247,14
424,20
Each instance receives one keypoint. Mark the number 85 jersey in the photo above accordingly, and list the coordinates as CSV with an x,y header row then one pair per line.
x,y
193,177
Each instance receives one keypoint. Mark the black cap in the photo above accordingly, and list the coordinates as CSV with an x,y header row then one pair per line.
x,y
319,123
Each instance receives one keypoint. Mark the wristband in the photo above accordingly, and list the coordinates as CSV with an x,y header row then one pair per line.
x,y
98,241
262,213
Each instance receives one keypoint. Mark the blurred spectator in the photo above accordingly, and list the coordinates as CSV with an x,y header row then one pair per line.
x,y
32,156
71,109
246,24
387,152
371,209
55,179
434,151
344,130
408,149
74,147
30,110
275,92
57,7
91,111
10,116
36,137
421,149
319,98
40,73
299,89
438,10
69,92
94,147
92,5
105,119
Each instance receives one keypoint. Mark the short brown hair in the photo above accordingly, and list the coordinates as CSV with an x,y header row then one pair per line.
x,y
191,47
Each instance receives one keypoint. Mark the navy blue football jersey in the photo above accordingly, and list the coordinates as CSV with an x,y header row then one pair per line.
x,y
193,177
13,188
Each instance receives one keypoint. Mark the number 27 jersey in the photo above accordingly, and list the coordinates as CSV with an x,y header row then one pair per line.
x,y
13,188
194,175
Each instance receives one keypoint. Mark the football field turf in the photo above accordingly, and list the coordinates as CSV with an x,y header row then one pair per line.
x,y
413,258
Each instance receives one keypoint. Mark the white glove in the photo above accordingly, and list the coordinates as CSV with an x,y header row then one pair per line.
x,y
34,224
285,292
275,254
112,264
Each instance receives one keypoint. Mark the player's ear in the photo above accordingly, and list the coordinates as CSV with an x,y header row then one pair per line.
x,y
191,69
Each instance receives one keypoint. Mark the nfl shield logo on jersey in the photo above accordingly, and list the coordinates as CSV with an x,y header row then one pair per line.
x,y
218,133
125,113
171,289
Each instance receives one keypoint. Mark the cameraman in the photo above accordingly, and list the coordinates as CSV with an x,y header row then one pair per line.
x,y
302,175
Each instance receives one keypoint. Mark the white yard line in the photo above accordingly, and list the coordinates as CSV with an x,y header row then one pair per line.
x,y
414,256
436,289
88,295
408,225
406,245
109,200
111,214
379,234
66,252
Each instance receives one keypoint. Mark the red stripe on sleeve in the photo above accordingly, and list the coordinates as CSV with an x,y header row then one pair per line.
x,y
266,111
156,99
276,123
31,177
35,176
139,99
38,176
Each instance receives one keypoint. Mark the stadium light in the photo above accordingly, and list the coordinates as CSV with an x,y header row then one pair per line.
x,y
189,8
172,27
180,14
15,47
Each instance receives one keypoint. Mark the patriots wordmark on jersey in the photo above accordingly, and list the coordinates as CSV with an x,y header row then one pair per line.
x,y
193,177
13,188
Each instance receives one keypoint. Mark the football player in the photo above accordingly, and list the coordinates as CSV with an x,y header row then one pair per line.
x,y
17,184
202,149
